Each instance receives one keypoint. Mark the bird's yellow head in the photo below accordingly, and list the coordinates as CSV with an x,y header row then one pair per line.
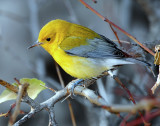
x,y
55,31
51,34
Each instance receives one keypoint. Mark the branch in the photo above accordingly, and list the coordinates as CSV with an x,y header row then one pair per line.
x,y
91,96
36,107
52,121
26,117
111,23
21,93
157,62
9,86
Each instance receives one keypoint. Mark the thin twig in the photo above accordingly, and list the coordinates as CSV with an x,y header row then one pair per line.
x,y
9,112
68,101
131,97
21,93
59,75
111,23
157,82
148,117
115,35
127,90
9,86
157,62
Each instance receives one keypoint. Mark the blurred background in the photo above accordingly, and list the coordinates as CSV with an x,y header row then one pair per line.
x,y
20,23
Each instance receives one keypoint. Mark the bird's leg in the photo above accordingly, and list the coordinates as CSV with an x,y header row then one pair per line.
x,y
76,83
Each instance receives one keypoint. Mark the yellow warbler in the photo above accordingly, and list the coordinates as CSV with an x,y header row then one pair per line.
x,y
81,52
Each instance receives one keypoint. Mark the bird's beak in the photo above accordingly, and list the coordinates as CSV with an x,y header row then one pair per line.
x,y
37,43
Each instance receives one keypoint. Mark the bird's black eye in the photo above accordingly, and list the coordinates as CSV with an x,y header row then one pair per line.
x,y
48,39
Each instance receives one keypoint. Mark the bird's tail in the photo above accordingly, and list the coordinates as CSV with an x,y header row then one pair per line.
x,y
137,61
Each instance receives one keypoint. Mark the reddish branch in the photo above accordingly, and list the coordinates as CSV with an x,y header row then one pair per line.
x,y
9,111
148,117
124,121
9,86
131,97
116,35
126,89
111,23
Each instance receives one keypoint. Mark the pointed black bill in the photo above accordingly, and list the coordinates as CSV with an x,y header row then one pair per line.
x,y
37,43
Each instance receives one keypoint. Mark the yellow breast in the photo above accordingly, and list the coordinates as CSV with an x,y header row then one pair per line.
x,y
79,67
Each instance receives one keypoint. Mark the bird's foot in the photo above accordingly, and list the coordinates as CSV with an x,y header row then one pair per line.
x,y
76,83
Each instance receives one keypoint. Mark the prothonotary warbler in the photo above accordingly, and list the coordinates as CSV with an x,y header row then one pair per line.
x,y
80,51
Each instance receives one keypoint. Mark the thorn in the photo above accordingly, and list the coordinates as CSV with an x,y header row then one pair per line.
x,y
49,88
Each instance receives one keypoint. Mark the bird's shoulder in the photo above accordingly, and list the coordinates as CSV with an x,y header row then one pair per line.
x,y
91,48
71,42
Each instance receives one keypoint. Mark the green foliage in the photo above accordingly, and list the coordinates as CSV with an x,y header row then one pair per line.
x,y
35,87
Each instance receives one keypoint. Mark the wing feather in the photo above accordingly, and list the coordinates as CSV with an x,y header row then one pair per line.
x,y
91,48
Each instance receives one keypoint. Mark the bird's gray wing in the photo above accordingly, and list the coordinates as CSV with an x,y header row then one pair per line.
x,y
91,48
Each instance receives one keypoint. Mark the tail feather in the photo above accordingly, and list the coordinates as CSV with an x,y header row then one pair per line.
x,y
137,61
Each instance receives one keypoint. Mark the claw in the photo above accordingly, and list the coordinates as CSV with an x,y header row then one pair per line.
x,y
76,83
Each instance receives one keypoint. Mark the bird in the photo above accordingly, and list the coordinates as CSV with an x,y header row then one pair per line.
x,y
80,51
